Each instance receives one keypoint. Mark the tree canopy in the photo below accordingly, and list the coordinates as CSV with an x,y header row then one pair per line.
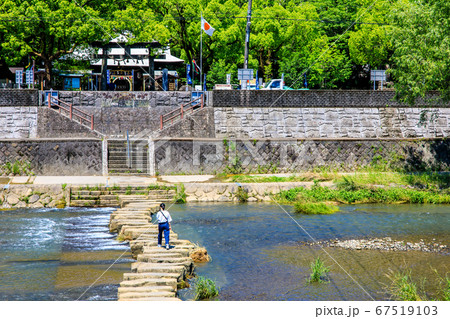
x,y
331,42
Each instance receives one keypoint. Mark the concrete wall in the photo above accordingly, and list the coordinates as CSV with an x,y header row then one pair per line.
x,y
56,156
19,97
210,156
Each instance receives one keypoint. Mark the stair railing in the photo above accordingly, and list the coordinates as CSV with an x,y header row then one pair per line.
x,y
71,111
179,112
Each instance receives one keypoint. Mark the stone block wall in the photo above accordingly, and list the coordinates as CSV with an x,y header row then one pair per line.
x,y
50,124
19,97
55,157
124,99
211,156
116,112
331,122
314,98
199,124
18,122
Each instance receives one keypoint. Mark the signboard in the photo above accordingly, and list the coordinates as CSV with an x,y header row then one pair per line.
x,y
29,76
378,75
19,77
245,74
228,78
108,74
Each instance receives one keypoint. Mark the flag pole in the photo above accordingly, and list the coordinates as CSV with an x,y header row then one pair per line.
x,y
201,51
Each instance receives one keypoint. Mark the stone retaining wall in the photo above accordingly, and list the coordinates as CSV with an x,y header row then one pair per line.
x,y
19,97
18,122
314,98
34,196
225,192
331,122
70,157
115,113
211,156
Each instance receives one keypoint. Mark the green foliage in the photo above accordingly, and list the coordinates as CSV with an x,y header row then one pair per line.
x,y
241,194
421,37
363,195
180,196
16,168
314,208
318,271
205,289
403,288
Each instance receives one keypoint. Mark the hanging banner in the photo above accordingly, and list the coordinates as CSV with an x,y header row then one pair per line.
x,y
204,82
188,74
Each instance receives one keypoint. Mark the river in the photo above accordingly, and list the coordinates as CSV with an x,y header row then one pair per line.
x,y
258,251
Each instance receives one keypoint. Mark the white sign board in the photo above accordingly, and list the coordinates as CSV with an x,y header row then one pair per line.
x,y
19,77
228,78
245,74
378,75
29,75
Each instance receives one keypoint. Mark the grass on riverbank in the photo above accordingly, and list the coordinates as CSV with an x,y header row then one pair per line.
x,y
351,194
423,180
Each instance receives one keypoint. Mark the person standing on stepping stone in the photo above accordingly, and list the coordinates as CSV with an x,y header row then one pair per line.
x,y
164,220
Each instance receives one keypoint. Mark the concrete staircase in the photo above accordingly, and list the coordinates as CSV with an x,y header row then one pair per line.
x,y
156,273
101,196
120,164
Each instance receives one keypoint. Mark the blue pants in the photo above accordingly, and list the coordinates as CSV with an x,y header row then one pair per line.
x,y
163,227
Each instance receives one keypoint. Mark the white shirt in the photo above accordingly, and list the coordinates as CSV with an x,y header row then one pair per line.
x,y
160,217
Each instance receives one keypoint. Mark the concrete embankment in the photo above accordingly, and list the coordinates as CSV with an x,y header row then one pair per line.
x,y
157,272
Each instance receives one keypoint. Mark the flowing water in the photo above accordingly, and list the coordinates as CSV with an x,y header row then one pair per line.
x,y
258,251
57,254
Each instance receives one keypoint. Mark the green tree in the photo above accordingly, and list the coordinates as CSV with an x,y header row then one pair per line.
x,y
46,30
370,43
421,38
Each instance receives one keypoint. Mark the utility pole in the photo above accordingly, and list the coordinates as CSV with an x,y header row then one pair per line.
x,y
247,33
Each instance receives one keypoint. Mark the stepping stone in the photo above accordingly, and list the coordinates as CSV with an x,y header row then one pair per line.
x,y
156,281
145,289
133,295
150,275
159,259
151,299
158,267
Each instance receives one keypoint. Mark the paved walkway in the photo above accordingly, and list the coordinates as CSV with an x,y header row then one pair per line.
x,y
107,180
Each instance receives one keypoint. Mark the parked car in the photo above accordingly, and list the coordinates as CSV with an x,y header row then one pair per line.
x,y
275,84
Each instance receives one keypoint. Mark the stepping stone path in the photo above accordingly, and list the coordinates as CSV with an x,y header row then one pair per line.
x,y
157,271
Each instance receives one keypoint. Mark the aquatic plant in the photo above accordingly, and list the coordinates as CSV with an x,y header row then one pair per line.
x,y
205,289
318,271
314,208
402,288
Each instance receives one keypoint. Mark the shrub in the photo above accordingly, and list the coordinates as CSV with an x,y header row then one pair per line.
x,y
205,289
241,194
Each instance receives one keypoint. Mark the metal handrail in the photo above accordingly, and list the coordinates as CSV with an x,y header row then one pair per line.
x,y
180,111
70,110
